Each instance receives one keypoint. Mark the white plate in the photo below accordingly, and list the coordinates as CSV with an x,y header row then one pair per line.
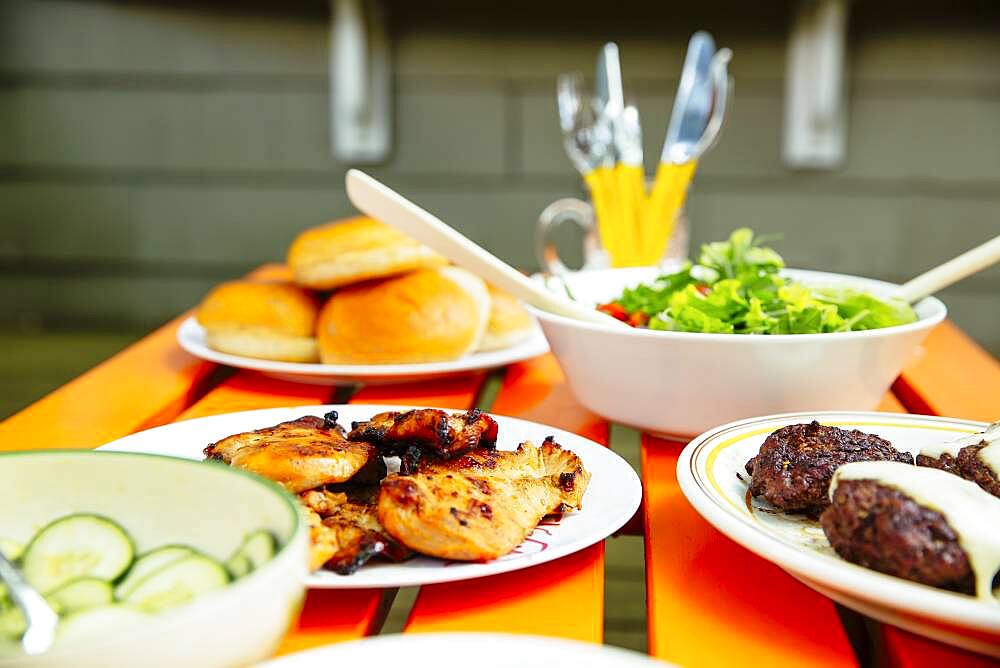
x,y
459,650
610,501
191,337
707,471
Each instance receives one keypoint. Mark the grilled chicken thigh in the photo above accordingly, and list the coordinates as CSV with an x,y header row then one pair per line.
x,y
345,532
483,504
421,432
301,454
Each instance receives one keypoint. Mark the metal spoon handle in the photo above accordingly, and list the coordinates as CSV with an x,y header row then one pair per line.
x,y
40,617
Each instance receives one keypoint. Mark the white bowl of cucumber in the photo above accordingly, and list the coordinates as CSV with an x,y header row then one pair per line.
x,y
149,560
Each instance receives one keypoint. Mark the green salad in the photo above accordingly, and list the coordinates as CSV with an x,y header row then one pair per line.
x,y
737,288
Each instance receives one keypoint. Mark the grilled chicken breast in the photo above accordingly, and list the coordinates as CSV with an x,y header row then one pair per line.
x,y
345,532
483,504
301,454
426,431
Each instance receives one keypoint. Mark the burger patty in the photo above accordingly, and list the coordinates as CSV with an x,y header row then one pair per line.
x,y
796,463
966,464
881,528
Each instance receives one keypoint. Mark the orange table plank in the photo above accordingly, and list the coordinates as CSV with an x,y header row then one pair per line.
x,y
561,598
458,392
148,383
907,650
953,377
713,603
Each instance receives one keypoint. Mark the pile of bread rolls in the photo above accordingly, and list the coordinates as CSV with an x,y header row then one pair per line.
x,y
362,293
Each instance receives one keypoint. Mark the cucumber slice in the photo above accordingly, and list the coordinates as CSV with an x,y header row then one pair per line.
x,y
80,594
178,583
101,621
239,566
148,563
11,549
76,546
259,548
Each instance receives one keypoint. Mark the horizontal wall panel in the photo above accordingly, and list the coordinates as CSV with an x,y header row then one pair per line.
x,y
199,38
948,139
240,130
894,238
890,41
890,237
192,225
98,301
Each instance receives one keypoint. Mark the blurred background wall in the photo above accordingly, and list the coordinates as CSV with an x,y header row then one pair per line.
x,y
151,149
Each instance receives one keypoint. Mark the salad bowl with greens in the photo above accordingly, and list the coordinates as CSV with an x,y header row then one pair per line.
x,y
733,335
737,288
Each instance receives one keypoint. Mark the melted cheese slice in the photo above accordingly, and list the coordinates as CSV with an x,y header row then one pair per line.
x,y
973,514
990,455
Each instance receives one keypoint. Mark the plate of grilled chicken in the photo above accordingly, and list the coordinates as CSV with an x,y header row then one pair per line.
x,y
892,515
402,496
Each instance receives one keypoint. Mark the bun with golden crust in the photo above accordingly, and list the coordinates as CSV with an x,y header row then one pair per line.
x,y
358,249
261,319
509,322
431,315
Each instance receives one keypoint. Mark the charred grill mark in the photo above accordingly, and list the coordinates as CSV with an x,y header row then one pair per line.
x,y
457,514
445,434
567,481
481,485
404,491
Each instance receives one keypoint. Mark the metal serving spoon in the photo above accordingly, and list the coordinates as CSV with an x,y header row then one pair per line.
x,y
38,614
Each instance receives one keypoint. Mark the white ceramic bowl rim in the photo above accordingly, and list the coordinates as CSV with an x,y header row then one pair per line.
x,y
937,313
167,619
276,489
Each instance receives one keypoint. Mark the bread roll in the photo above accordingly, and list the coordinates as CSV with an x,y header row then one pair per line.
x,y
431,315
359,249
261,319
509,322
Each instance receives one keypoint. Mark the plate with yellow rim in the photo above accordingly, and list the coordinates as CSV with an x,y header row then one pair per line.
x,y
712,477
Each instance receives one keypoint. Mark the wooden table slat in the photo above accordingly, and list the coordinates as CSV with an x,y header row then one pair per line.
x,y
147,384
560,598
713,603
953,377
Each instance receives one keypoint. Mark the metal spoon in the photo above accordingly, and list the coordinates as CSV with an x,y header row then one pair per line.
x,y
40,617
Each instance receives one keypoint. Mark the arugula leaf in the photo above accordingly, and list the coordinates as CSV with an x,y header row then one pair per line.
x,y
740,256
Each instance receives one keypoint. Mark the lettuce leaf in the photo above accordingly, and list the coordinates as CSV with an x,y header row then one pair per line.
x,y
736,287
864,310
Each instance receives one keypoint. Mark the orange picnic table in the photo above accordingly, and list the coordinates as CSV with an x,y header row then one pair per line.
x,y
710,602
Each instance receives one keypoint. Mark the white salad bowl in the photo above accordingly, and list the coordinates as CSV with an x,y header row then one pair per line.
x,y
159,501
681,383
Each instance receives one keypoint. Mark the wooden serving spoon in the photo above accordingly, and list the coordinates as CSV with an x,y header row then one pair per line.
x,y
951,272
383,203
